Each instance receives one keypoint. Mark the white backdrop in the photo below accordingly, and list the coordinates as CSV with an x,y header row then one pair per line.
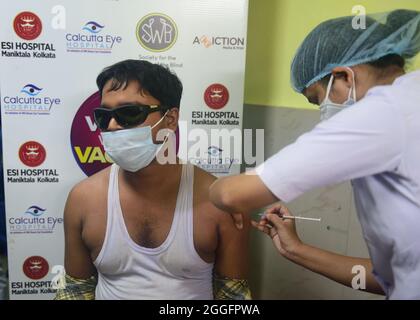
x,y
50,56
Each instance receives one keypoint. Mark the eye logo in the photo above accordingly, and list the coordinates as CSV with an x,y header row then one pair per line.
x,y
27,25
156,32
32,153
216,96
35,267
214,151
31,90
35,211
93,27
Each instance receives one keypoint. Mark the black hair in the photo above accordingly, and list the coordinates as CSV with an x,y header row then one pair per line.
x,y
380,64
155,79
388,61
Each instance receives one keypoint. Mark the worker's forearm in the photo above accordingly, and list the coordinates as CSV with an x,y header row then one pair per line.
x,y
334,266
242,193
225,197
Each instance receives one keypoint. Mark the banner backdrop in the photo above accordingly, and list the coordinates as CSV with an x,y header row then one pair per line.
x,y
51,53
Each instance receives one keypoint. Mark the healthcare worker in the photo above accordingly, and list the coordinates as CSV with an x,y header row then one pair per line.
x,y
369,134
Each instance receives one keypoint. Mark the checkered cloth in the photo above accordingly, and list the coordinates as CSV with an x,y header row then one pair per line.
x,y
84,289
230,289
77,289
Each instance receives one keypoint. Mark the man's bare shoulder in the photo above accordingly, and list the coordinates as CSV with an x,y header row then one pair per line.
x,y
202,182
88,189
204,178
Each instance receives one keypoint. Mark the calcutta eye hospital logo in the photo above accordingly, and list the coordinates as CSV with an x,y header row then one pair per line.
x,y
156,32
93,27
33,220
92,39
35,211
27,25
215,162
30,100
31,90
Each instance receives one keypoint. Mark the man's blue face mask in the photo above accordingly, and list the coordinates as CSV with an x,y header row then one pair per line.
x,y
132,149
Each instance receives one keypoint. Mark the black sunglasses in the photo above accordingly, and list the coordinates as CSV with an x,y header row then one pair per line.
x,y
126,116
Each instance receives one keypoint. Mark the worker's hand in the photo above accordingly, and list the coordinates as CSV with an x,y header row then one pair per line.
x,y
282,231
238,220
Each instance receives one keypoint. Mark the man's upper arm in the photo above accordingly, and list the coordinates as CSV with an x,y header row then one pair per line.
x,y
78,263
232,250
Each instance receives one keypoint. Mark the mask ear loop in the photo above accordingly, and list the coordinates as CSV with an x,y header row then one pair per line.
x,y
160,120
327,94
167,136
353,87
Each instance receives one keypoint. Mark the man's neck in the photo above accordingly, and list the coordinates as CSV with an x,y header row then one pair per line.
x,y
154,178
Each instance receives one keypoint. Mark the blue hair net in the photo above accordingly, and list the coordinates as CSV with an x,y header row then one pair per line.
x,y
336,43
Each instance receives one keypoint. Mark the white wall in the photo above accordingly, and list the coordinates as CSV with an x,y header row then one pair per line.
x,y
272,276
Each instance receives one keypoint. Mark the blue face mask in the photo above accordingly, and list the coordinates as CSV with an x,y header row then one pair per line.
x,y
132,149
329,108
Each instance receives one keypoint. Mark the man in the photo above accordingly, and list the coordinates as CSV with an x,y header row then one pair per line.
x,y
141,229
370,134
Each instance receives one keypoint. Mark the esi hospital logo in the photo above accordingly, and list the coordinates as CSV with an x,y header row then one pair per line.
x,y
32,154
35,267
92,38
30,100
27,25
216,96
156,32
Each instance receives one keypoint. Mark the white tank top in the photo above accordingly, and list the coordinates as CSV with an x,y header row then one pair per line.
x,y
174,270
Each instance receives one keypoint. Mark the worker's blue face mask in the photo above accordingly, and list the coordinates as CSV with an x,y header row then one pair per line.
x,y
329,108
132,149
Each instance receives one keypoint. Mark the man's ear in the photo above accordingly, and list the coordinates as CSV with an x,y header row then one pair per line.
x,y
172,118
343,74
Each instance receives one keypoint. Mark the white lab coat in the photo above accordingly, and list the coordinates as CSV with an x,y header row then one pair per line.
x,y
375,143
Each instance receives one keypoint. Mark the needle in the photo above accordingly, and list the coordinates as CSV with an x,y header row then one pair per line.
x,y
295,217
